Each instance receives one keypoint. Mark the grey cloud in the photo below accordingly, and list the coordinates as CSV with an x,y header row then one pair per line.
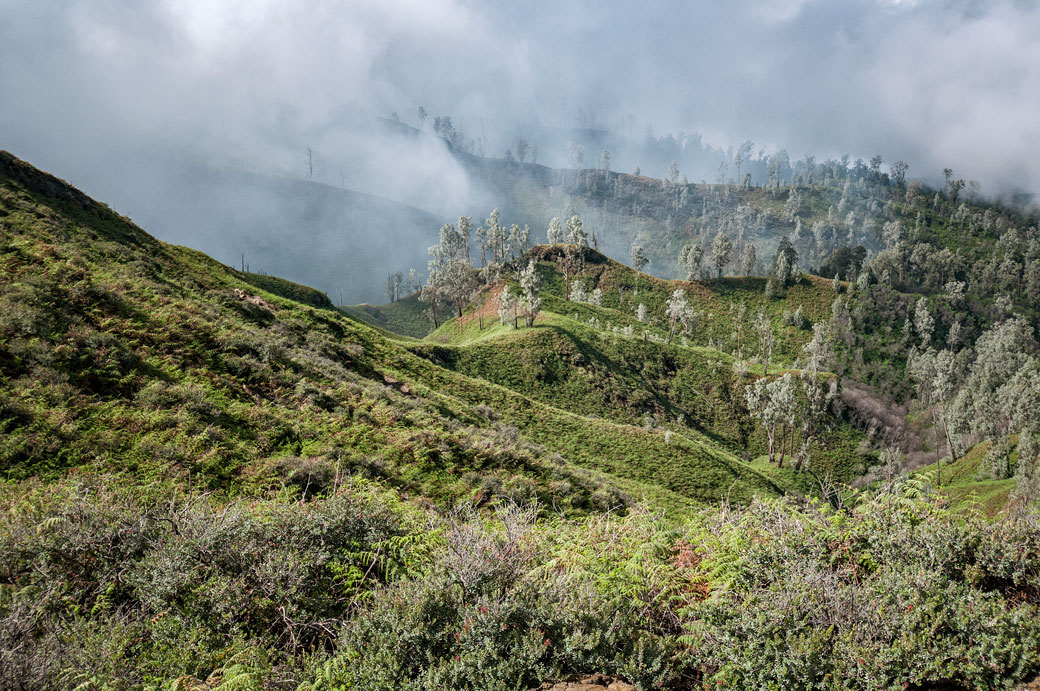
x,y
95,90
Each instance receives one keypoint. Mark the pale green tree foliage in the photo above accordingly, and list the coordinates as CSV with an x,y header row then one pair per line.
x,y
639,261
678,310
576,235
924,323
555,233
721,251
748,259
530,301
774,403
1001,393
934,374
766,339
691,260
785,264
507,307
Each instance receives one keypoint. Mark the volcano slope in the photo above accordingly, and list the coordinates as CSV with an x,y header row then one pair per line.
x,y
210,484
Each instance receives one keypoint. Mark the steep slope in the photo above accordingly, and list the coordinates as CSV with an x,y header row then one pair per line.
x,y
126,354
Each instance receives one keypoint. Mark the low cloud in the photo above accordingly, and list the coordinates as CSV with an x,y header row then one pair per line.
x,y
95,90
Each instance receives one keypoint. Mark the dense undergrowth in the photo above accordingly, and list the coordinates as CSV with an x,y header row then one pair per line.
x,y
109,586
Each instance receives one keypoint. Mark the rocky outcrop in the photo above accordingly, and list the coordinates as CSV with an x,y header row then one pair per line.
x,y
593,682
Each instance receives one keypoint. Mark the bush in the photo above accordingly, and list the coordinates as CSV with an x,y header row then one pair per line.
x,y
899,593
489,615
166,584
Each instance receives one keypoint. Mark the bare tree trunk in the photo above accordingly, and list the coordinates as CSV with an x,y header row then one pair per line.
x,y
946,430
938,457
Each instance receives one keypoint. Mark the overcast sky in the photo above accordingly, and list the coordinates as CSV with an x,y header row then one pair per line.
x,y
938,83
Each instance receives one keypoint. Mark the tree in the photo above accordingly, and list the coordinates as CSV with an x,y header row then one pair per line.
x,y
572,259
639,261
465,227
555,233
691,260
422,117
898,172
431,296
483,243
495,236
519,239
521,149
747,261
451,276
673,173
678,310
785,263
1001,393
844,262
875,165
577,153
924,323
766,340
458,281
507,307
641,312
743,155
935,376
774,403
721,249
310,163
604,160
819,397
530,301
575,233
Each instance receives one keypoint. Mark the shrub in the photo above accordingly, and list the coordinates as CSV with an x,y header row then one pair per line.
x,y
168,584
899,593
485,616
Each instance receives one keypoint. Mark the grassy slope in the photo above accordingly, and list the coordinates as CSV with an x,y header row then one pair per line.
x,y
965,483
591,370
287,289
125,354
406,317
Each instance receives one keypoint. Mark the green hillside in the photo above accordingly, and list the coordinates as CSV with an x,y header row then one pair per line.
x,y
126,355
405,317
212,480
579,357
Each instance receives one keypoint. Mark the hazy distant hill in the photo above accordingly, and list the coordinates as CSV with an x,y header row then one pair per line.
x,y
326,237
